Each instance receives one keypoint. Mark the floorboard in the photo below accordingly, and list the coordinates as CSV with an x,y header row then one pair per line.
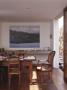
x,y
57,83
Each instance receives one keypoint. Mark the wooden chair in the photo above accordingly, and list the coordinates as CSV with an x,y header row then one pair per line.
x,y
46,68
26,70
51,57
13,69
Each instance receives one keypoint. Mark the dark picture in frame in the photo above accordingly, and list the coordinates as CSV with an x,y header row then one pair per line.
x,y
24,36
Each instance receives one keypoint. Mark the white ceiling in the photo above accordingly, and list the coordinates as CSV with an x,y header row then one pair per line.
x,y
31,10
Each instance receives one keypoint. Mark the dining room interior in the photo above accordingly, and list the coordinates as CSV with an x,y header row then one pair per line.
x,y
33,45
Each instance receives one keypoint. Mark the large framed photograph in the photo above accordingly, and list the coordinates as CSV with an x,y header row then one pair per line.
x,y
24,36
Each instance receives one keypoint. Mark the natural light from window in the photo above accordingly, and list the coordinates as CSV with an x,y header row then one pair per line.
x,y
60,21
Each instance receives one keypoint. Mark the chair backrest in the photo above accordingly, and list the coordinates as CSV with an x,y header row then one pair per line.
x,y
51,57
13,65
26,69
25,65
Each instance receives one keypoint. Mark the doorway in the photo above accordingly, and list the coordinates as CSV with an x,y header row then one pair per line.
x,y
58,42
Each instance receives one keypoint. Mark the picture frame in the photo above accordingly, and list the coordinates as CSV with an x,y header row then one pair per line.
x,y
24,36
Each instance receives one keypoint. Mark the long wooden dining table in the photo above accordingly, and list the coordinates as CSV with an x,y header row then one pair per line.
x,y
4,62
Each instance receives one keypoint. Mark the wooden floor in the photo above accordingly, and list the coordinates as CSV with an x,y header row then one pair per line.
x,y
57,83
58,79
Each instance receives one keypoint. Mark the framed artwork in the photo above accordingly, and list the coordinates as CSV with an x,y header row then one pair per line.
x,y
24,36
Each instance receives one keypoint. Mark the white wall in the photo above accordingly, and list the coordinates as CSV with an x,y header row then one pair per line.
x,y
51,35
45,28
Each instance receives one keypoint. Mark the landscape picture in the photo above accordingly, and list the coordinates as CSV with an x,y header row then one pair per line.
x,y
24,36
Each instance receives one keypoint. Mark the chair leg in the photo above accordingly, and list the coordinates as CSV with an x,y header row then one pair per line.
x,y
9,82
51,75
19,82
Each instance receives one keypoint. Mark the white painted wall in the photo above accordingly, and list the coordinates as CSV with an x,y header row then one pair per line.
x,y
45,29
51,35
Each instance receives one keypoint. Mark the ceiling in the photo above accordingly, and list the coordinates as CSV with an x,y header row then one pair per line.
x,y
31,10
